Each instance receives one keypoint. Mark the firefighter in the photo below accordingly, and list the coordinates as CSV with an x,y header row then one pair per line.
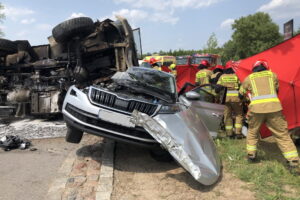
x,y
265,107
203,76
217,73
173,69
233,103
154,64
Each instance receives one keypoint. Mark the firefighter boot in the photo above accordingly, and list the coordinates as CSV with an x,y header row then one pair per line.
x,y
294,167
252,158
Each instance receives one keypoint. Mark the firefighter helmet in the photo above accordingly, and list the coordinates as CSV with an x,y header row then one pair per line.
x,y
261,63
152,61
205,63
228,64
219,67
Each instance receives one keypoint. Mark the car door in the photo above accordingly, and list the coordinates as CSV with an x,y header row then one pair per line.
x,y
208,105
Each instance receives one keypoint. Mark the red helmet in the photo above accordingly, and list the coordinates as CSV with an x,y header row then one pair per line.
x,y
228,64
152,61
205,63
219,67
261,62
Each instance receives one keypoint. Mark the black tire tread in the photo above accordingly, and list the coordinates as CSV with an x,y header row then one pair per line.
x,y
7,46
73,135
81,26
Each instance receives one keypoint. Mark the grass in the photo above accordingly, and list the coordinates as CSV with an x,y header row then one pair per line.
x,y
269,178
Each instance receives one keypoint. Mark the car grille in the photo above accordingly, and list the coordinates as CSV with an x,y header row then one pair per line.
x,y
113,101
92,119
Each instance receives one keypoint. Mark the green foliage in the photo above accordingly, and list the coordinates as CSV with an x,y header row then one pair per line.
x,y
297,31
252,34
211,47
179,52
211,44
268,178
2,17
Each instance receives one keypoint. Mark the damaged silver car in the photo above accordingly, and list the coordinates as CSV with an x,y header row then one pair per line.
x,y
141,106
35,79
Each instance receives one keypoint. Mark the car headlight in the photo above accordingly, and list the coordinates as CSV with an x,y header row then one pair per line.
x,y
169,109
86,90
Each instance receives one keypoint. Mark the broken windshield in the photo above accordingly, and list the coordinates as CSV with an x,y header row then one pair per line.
x,y
160,84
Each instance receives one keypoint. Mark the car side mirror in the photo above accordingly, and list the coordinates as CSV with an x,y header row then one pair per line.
x,y
191,95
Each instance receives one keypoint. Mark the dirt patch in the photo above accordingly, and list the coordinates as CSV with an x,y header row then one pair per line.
x,y
138,176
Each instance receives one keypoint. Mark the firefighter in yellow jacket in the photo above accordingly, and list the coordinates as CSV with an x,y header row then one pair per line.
x,y
233,103
172,67
203,76
265,107
154,64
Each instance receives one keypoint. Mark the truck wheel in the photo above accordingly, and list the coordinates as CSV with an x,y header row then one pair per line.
x,y
81,27
7,47
73,135
161,155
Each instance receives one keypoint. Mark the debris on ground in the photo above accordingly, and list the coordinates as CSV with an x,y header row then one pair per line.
x,y
10,142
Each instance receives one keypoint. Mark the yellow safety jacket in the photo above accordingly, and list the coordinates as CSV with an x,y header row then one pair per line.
x,y
157,68
232,83
203,76
263,88
174,72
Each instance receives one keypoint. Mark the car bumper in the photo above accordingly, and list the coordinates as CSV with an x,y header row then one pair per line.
x,y
80,113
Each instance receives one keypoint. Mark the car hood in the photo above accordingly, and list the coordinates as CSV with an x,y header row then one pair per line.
x,y
188,141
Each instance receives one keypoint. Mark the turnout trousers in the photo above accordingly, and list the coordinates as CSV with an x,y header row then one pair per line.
x,y
237,109
277,124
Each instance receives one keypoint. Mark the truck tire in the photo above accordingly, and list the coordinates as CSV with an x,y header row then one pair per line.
x,y
73,135
7,47
65,31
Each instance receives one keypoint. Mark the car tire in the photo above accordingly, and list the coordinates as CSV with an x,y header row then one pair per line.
x,y
65,31
7,47
161,155
73,135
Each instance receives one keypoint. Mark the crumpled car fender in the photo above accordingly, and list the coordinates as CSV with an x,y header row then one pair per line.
x,y
188,141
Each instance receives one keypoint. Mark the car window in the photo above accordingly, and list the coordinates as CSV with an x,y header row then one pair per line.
x,y
211,93
197,60
181,61
205,95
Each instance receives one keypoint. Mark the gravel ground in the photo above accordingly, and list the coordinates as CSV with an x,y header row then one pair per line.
x,y
34,128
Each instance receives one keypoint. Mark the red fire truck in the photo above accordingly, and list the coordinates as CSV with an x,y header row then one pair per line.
x,y
187,67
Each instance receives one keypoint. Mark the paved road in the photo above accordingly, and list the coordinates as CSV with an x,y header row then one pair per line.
x,y
27,174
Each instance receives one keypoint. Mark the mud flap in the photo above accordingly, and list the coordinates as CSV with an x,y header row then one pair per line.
x,y
192,148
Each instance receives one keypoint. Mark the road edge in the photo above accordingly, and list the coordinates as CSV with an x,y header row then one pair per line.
x,y
105,187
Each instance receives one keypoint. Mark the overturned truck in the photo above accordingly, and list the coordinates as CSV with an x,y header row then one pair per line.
x,y
35,79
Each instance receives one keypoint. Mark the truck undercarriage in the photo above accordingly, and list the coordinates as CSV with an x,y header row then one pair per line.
x,y
34,79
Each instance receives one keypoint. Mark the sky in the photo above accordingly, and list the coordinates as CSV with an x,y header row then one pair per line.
x,y
165,24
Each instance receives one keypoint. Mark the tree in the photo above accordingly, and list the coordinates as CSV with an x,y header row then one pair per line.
x,y
297,31
2,17
211,44
252,34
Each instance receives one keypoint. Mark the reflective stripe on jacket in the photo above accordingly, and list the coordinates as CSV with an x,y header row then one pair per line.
x,y
157,68
203,76
232,83
263,87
